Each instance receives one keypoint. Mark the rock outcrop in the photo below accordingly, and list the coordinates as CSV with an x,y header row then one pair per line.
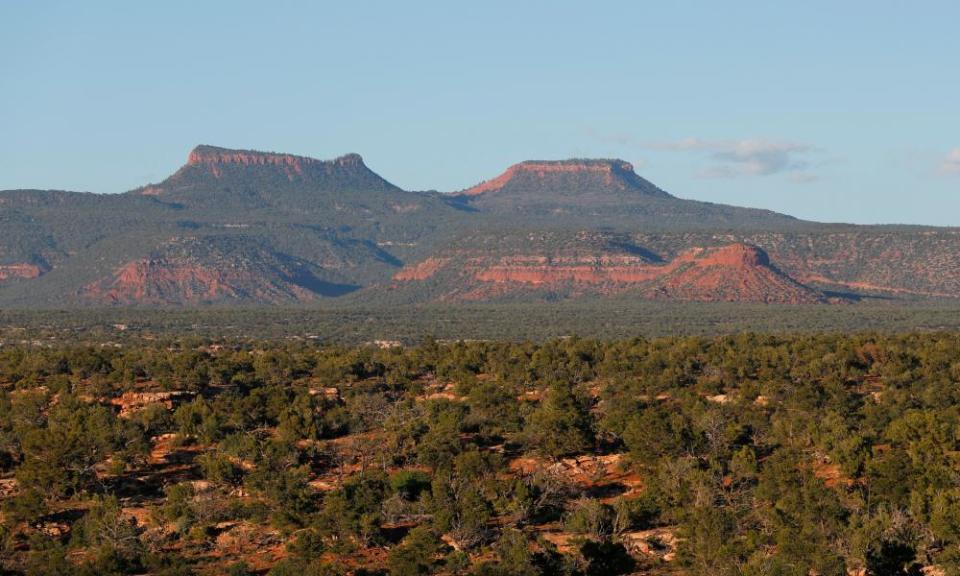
x,y
21,270
209,164
735,272
567,176
420,271
202,271
213,156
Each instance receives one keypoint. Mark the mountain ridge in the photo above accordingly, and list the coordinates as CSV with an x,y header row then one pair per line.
x,y
248,227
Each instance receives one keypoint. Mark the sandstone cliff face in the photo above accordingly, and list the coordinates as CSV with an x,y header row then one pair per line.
x,y
22,270
734,272
206,165
191,271
421,271
598,269
212,156
563,176
161,281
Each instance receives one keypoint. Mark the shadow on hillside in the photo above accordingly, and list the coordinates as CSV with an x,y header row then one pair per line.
x,y
307,280
635,250
855,297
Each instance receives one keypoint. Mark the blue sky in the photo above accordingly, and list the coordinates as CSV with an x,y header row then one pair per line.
x,y
835,111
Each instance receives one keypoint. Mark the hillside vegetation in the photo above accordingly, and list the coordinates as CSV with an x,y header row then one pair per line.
x,y
757,455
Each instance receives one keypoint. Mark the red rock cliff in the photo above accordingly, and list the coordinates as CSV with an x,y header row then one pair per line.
x,y
211,155
613,174
8,271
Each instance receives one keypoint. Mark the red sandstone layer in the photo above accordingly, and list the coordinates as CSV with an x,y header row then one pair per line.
x,y
540,169
8,271
736,272
421,271
162,282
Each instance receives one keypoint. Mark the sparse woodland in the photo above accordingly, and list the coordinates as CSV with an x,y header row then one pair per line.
x,y
739,455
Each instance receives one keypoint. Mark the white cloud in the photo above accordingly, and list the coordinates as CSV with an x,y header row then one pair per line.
x,y
750,157
951,164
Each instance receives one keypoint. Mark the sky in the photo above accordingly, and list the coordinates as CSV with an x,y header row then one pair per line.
x,y
833,111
